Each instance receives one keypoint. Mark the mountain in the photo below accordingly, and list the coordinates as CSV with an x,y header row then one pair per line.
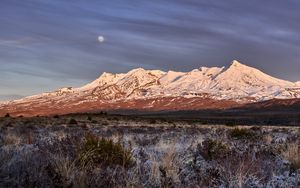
x,y
140,89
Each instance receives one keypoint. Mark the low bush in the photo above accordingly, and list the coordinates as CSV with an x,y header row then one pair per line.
x,y
213,149
94,121
230,124
73,122
104,123
152,121
103,113
242,134
103,152
56,116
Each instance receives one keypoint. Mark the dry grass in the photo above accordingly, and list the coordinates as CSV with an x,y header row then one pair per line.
x,y
237,172
65,167
292,154
154,172
268,139
11,139
168,163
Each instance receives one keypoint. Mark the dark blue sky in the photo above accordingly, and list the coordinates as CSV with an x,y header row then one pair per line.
x,y
47,44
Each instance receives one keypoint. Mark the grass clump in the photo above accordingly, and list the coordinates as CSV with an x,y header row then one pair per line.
x,y
213,149
292,154
242,134
103,152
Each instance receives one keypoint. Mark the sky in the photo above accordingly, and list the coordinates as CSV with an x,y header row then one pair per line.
x,y
49,44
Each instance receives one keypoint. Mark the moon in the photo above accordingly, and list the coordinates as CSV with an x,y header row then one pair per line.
x,y
100,39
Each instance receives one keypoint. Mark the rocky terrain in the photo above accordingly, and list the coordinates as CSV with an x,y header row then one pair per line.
x,y
154,90
100,150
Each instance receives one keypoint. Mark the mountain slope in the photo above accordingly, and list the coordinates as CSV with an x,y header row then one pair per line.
x,y
244,81
157,90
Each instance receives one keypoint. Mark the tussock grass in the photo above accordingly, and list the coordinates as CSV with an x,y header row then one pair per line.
x,y
242,133
213,149
292,154
11,139
104,152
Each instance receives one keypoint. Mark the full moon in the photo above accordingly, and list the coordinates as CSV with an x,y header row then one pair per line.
x,y
100,39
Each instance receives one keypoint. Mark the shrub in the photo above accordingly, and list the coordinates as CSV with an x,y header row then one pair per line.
x,y
103,113
89,118
103,152
213,149
230,124
94,121
152,121
7,115
56,116
73,122
256,128
104,123
242,134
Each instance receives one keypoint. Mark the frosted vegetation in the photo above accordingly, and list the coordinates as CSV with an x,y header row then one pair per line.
x,y
116,151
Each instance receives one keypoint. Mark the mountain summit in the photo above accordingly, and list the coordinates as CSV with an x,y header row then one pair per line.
x,y
158,90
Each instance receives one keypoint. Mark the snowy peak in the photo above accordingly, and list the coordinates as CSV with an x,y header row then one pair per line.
x,y
211,72
140,72
116,86
107,78
138,75
236,63
238,72
104,79
136,71
237,66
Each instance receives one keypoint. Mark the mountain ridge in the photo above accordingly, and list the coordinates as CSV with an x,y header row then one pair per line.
x,y
237,84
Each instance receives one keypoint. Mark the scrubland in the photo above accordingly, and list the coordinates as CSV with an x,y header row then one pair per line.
x,y
99,150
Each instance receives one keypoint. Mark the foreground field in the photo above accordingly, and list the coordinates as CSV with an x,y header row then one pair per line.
x,y
117,151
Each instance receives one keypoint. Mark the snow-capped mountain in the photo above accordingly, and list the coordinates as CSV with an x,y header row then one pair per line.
x,y
155,89
237,82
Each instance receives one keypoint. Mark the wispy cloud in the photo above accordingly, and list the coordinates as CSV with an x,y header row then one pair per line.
x,y
17,43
